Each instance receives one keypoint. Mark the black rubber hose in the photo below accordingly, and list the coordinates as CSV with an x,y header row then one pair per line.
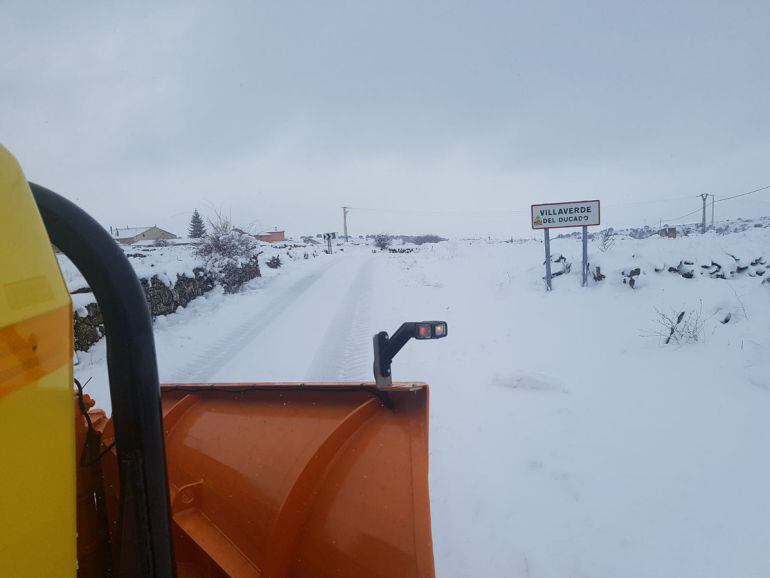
x,y
134,387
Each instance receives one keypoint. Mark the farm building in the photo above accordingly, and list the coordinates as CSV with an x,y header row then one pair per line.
x,y
131,235
271,236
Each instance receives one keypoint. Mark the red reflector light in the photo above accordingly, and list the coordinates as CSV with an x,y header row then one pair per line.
x,y
424,331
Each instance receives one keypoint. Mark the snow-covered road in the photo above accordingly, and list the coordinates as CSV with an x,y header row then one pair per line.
x,y
307,323
303,332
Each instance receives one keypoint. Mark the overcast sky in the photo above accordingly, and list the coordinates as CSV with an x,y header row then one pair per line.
x,y
448,117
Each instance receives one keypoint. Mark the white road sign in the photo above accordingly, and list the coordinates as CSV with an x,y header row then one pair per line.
x,y
573,214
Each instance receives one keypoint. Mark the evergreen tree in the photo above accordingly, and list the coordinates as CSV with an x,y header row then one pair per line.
x,y
197,228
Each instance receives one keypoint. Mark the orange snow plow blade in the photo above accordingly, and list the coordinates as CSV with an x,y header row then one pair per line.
x,y
300,480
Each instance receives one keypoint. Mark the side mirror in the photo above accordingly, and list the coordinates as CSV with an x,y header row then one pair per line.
x,y
386,348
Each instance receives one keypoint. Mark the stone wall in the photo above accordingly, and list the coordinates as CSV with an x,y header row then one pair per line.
x,y
164,299
233,277
89,328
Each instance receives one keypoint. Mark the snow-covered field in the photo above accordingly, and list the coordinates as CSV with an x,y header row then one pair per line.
x,y
566,441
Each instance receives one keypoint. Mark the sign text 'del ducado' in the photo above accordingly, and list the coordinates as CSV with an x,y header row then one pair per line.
x,y
572,214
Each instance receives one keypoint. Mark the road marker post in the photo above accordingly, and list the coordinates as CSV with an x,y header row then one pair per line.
x,y
328,238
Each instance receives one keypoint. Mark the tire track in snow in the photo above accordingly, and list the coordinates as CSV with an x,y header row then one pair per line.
x,y
345,353
357,357
205,365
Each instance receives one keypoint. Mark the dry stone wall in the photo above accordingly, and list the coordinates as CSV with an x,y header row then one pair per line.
x,y
164,299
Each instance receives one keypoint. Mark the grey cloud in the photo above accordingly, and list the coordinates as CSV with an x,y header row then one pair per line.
x,y
288,110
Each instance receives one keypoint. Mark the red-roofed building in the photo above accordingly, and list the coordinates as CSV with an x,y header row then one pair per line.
x,y
271,236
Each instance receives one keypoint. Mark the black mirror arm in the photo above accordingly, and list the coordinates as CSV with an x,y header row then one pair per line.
x,y
400,338
386,348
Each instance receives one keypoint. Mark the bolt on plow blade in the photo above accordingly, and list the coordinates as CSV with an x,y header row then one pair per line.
x,y
300,480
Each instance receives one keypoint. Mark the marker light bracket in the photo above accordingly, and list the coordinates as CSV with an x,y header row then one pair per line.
x,y
386,348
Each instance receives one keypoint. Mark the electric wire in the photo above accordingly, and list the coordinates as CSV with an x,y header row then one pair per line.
x,y
492,212
743,194
504,213
766,187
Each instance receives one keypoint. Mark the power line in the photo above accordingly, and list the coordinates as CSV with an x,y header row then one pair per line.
x,y
497,212
682,217
744,194
505,213
720,201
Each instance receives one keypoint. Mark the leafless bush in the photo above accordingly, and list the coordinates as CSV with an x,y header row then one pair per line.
x,y
382,241
740,302
685,326
606,239
421,239
274,262
225,244
229,253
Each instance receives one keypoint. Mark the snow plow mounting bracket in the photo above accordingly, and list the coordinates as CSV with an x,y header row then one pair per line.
x,y
386,348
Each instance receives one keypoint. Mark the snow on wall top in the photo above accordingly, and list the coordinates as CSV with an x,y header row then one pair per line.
x,y
164,262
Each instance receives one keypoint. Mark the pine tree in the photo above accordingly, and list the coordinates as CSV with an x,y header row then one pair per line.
x,y
197,229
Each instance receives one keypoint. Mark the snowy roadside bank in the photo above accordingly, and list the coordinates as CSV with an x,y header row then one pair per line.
x,y
171,277
567,442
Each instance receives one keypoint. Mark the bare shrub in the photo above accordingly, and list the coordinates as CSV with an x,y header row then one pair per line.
x,y
274,262
421,239
228,252
606,239
681,327
225,243
740,302
382,241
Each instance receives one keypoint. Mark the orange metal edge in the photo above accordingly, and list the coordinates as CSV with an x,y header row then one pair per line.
x,y
351,385
423,553
92,531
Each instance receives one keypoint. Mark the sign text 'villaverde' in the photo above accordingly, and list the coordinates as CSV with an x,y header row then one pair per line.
x,y
572,214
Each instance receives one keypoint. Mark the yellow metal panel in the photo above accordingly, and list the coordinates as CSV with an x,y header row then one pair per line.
x,y
37,444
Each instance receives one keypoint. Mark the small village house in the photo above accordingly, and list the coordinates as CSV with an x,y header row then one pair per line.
x,y
131,235
271,236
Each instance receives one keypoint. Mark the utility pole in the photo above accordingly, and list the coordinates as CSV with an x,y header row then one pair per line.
x,y
704,197
712,212
345,221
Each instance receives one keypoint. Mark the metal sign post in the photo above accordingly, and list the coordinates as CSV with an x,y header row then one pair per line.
x,y
549,216
547,260
585,256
